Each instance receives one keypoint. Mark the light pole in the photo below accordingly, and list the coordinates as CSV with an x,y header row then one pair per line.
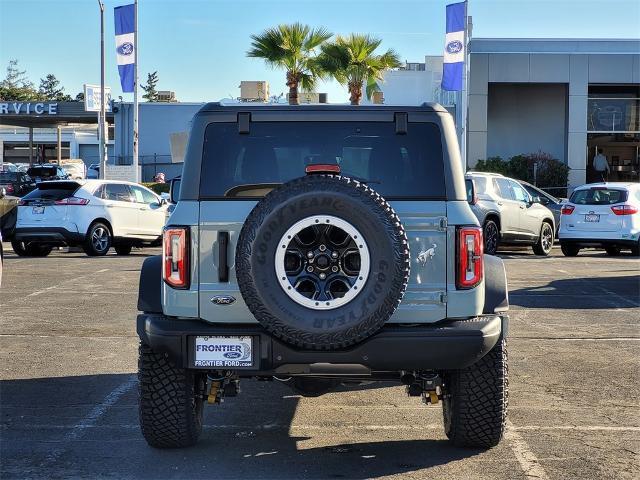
x,y
102,116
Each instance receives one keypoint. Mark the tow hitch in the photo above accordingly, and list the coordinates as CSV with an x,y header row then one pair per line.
x,y
221,387
427,385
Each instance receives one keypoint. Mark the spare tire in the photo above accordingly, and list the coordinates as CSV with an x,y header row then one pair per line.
x,y
322,262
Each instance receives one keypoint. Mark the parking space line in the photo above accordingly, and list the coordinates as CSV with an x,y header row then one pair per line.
x,y
93,416
52,287
526,458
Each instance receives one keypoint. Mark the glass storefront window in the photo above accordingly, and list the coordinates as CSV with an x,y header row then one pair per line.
x,y
611,114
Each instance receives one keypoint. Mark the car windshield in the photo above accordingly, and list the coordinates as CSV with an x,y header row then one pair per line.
x,y
52,191
598,196
401,166
42,171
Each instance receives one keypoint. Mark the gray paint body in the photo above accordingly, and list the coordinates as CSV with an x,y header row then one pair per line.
x,y
431,294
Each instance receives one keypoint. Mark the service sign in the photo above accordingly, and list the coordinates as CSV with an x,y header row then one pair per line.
x,y
92,98
28,108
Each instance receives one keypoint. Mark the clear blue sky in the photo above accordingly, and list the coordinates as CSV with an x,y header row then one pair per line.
x,y
198,46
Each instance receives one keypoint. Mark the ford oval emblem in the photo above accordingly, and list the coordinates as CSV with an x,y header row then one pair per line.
x,y
231,355
455,46
125,49
223,300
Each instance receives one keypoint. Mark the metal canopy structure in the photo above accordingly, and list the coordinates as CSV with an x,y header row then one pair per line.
x,y
46,115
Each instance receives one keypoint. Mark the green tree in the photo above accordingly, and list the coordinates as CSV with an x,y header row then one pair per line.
x,y
150,92
352,61
50,89
80,97
16,85
292,48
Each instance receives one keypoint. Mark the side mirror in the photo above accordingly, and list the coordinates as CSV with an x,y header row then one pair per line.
x,y
174,190
472,197
3,192
536,199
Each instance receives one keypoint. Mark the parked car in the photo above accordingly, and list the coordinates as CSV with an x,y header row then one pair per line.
x,y
16,183
45,172
552,203
93,214
277,267
75,171
8,167
508,214
602,215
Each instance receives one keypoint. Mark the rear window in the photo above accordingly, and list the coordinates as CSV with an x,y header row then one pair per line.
x,y
397,166
52,191
42,171
8,176
598,196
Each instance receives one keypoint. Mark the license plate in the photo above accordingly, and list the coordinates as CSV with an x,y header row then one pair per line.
x,y
592,218
37,210
223,352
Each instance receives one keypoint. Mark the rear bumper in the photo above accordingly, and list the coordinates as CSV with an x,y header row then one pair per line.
x,y
449,344
600,242
52,235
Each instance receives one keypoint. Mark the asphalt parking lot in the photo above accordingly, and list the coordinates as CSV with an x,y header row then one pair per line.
x,y
68,357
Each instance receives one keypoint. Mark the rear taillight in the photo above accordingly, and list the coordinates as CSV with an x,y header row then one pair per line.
x,y
470,261
9,188
624,209
175,257
72,201
567,209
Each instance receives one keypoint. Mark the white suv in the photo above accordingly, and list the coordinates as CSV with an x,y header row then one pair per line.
x,y
601,215
94,214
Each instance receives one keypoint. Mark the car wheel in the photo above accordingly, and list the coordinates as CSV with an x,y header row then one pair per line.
x,y
123,249
545,241
475,400
313,252
613,251
491,237
170,401
569,250
31,249
98,240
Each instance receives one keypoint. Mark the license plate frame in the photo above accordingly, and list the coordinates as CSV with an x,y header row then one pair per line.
x,y
592,218
37,210
223,351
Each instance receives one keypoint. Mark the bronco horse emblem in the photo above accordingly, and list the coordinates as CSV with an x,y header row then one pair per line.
x,y
426,255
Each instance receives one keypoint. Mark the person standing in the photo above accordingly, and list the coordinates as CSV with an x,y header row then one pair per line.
x,y
601,165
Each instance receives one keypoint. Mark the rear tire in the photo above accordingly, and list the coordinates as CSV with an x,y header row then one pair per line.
x,y
171,401
476,399
123,249
613,251
545,241
23,249
98,240
569,250
491,234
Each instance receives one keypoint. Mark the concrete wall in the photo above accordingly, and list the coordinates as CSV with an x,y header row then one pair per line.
x,y
576,63
525,118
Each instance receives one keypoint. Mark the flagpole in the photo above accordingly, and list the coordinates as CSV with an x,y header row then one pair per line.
x,y
135,93
102,114
465,94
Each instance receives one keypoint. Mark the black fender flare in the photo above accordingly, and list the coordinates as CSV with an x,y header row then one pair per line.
x,y
150,287
496,293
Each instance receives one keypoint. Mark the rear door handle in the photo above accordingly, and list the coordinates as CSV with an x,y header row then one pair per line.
x,y
142,208
500,203
110,206
522,207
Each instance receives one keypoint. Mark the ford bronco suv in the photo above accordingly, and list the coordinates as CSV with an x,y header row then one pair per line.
x,y
319,245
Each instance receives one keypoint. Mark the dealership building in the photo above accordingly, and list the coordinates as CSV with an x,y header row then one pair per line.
x,y
564,97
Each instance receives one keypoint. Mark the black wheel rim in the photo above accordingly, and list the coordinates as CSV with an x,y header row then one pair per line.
x,y
546,237
490,237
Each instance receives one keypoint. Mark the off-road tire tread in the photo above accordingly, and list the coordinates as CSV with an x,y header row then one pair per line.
x,y
479,400
389,221
170,414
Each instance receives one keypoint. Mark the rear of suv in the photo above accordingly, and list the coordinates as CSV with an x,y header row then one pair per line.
x,y
602,215
319,245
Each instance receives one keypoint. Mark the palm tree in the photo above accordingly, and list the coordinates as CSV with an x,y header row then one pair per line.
x,y
292,47
351,61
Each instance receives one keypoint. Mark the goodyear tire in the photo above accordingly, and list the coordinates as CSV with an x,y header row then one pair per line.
x,y
322,262
171,401
476,399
